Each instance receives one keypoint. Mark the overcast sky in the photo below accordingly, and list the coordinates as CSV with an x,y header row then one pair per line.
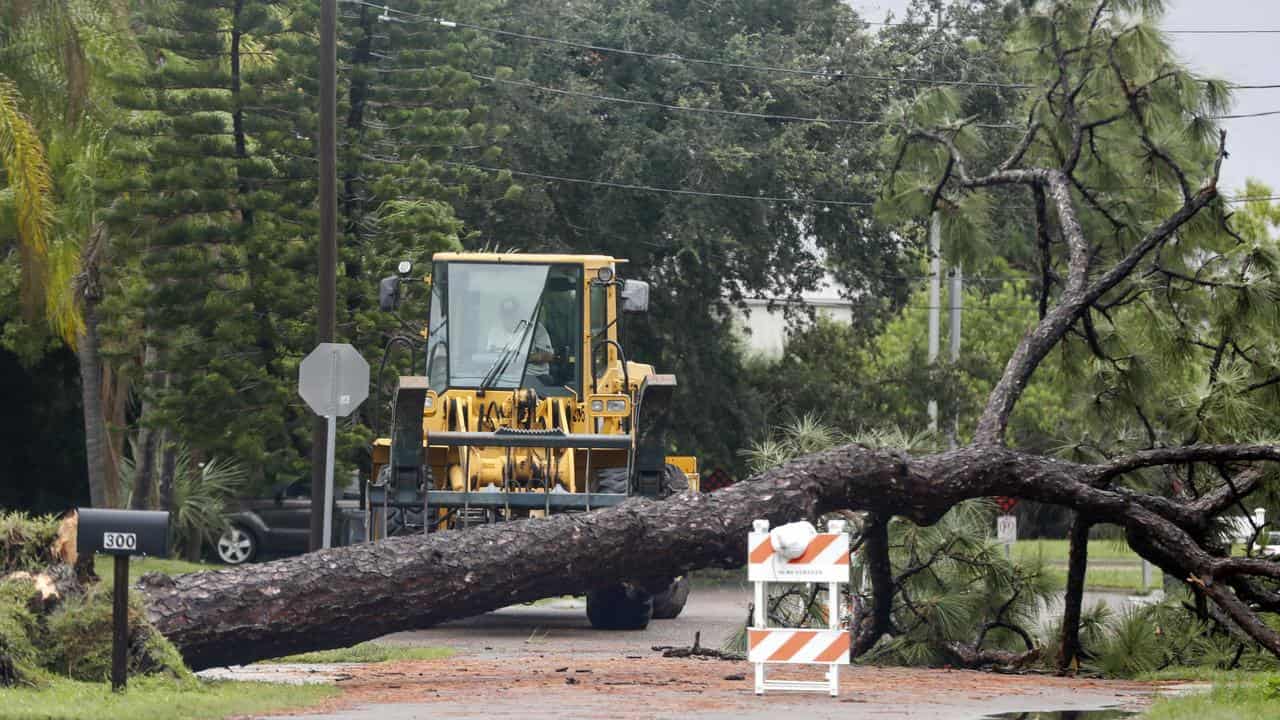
x,y
1242,59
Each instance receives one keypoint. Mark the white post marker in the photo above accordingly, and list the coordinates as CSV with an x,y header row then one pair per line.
x,y
825,559
333,380
1007,533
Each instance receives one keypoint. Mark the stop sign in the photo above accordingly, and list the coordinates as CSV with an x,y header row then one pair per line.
x,y
333,379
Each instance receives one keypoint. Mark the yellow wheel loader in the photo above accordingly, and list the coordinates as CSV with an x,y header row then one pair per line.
x,y
528,406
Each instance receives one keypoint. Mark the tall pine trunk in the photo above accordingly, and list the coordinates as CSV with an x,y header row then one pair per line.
x,y
87,290
95,426
168,462
1073,599
144,475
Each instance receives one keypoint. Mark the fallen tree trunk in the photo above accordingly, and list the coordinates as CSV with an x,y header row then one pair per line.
x,y
345,595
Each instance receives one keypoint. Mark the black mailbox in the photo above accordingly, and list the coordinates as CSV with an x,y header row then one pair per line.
x,y
123,532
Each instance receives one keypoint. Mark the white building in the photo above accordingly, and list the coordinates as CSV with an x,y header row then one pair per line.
x,y
765,330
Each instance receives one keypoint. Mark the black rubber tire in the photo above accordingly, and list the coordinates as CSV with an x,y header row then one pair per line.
x,y
403,521
619,607
668,604
674,481
611,480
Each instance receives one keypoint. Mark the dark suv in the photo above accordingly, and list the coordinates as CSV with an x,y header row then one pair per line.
x,y
281,524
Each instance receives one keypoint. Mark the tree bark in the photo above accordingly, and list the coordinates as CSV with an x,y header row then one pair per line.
x,y
115,402
144,464
95,430
880,571
1073,598
340,596
168,465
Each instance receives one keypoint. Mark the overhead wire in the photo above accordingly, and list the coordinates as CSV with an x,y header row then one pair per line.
x,y
1171,31
660,189
686,108
646,103
415,18
1238,116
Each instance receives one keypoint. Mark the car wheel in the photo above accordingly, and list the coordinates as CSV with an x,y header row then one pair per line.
x,y
237,545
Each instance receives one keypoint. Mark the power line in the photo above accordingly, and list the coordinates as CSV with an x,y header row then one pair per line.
x,y
1260,198
826,74
730,196
1170,31
657,189
1267,113
1225,31
681,108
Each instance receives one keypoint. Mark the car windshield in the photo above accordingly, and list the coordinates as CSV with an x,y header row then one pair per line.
x,y
503,326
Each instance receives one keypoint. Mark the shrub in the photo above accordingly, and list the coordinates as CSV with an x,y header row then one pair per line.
x,y
79,634
27,542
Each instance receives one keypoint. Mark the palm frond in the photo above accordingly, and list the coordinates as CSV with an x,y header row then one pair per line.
x,y
26,173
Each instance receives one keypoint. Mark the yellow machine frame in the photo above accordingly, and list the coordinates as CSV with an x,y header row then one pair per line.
x,y
461,477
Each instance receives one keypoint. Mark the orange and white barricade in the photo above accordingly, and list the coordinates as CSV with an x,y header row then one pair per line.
x,y
824,560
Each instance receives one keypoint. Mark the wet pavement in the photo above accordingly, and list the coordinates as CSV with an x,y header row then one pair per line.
x,y
545,661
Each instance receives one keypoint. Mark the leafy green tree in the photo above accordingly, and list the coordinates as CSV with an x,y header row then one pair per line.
x,y
953,597
832,369
56,58
215,291
1131,239
704,254
410,112
219,217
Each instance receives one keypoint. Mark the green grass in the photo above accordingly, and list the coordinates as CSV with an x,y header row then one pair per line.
x,y
104,566
1104,578
1056,551
368,652
1202,673
1258,697
1107,567
155,697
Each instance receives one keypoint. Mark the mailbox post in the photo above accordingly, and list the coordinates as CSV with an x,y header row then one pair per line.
x,y
121,533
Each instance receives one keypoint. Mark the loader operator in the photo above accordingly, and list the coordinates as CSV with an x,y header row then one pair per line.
x,y
509,332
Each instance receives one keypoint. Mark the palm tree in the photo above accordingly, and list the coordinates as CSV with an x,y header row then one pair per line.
x,y
48,110
28,187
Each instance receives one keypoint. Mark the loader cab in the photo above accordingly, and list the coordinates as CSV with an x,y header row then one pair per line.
x,y
505,324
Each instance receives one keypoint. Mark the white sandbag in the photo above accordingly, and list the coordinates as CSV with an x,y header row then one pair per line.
x,y
789,541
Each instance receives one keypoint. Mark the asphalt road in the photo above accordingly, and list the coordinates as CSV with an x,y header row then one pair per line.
x,y
545,661
714,613
556,626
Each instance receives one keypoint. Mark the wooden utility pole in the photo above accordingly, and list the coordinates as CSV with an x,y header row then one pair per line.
x,y
326,323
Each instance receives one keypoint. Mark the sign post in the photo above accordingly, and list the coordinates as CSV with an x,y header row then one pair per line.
x,y
333,380
121,533
1007,525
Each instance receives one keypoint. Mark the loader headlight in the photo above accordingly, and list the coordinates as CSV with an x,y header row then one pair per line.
x,y
605,274
610,405
429,404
